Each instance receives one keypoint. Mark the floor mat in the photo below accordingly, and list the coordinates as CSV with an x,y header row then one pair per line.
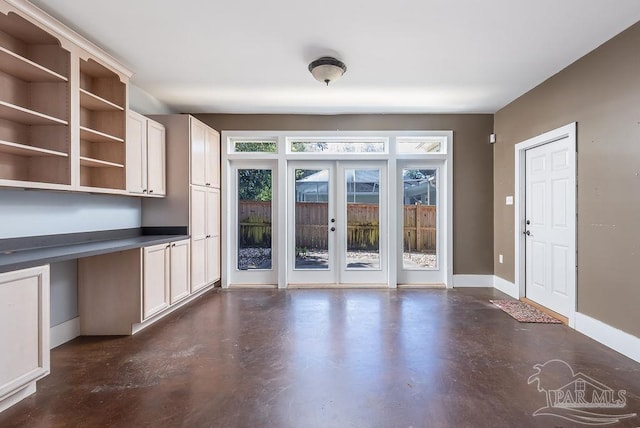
x,y
524,312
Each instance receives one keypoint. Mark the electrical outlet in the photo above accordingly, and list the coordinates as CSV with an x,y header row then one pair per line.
x,y
500,258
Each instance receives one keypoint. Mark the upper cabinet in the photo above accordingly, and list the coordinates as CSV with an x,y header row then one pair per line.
x,y
146,158
205,155
63,106
34,105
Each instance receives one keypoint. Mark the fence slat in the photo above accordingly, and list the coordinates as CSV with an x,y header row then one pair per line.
x,y
362,225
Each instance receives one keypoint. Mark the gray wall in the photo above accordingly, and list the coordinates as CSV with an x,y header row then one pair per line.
x,y
601,92
473,166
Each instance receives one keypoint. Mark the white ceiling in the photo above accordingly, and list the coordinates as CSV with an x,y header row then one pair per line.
x,y
403,56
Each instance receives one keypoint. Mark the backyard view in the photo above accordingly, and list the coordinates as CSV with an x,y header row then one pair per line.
x,y
312,222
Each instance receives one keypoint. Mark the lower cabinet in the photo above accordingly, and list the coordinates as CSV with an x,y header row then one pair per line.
x,y
24,332
165,278
123,292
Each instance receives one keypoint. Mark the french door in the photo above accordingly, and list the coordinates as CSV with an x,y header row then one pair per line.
x,y
337,223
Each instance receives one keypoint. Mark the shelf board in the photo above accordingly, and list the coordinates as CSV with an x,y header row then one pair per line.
x,y
24,150
25,69
97,163
93,102
94,136
23,115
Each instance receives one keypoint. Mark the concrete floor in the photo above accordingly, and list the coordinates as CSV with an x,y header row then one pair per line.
x,y
322,358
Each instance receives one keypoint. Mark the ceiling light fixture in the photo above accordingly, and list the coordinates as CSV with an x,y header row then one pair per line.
x,y
327,69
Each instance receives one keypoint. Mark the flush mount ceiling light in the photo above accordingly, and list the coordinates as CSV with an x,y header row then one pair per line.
x,y
327,69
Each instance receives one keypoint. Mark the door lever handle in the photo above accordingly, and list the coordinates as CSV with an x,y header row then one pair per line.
x,y
528,233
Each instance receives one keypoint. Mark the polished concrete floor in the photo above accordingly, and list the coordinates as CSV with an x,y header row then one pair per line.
x,y
322,358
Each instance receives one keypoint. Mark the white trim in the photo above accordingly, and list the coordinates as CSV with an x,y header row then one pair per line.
x,y
567,131
62,333
463,280
283,158
18,396
506,287
618,340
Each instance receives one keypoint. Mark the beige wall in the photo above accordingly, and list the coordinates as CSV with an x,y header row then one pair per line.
x,y
601,92
473,166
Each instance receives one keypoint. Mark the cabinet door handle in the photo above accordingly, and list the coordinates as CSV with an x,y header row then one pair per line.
x,y
208,236
151,191
207,184
169,246
173,245
144,190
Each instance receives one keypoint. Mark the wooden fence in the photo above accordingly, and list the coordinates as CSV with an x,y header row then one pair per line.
x,y
362,227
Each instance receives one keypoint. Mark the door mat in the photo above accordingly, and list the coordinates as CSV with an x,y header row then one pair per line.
x,y
524,312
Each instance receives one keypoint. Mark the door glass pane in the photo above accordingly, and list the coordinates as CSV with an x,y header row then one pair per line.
x,y
420,201
254,219
363,218
312,219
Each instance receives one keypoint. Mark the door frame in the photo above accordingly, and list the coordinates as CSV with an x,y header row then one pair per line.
x,y
567,131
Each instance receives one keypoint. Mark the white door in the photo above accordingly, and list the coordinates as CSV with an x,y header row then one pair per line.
x,y
338,223
550,225
421,258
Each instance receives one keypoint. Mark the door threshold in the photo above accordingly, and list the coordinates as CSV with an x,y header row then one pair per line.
x,y
546,310
422,285
338,286
262,286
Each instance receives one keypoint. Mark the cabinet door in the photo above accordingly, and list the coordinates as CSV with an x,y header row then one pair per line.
x,y
198,153
155,290
198,233
198,263
136,153
213,158
24,328
156,159
180,278
213,235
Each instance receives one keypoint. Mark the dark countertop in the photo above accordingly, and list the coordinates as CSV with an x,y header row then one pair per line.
x,y
75,246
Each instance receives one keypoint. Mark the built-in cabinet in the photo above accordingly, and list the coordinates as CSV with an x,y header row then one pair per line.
x,y
193,193
63,105
205,236
166,276
146,156
120,293
24,332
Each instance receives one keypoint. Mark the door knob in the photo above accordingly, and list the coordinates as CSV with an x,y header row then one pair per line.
x,y
333,220
333,229
528,221
528,233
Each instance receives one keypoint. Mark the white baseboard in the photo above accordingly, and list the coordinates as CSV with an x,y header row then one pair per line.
x,y
618,340
473,280
506,287
64,332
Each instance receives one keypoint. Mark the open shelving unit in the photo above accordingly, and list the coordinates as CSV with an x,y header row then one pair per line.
x,y
102,127
34,104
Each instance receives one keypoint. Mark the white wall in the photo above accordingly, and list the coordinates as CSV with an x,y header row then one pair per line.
x,y
33,213
143,102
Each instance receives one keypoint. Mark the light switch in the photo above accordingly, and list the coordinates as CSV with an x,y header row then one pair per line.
x,y
509,200
500,259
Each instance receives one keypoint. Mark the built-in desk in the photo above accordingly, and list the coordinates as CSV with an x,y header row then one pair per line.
x,y
21,253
